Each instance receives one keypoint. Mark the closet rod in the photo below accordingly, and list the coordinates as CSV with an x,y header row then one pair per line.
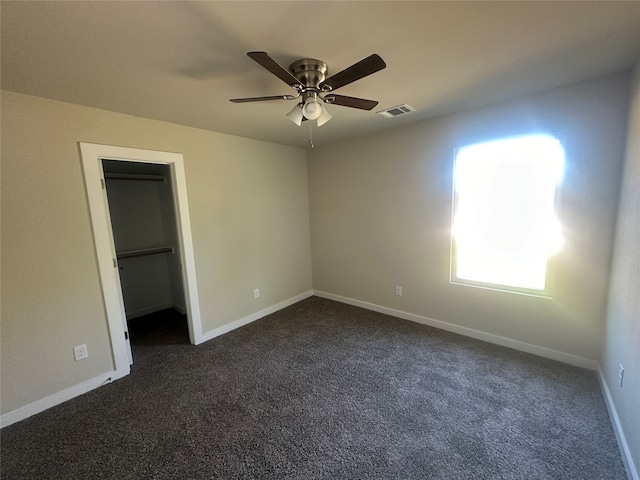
x,y
133,176
144,251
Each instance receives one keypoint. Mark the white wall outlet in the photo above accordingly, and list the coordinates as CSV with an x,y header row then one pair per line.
x,y
80,352
398,290
621,374
256,293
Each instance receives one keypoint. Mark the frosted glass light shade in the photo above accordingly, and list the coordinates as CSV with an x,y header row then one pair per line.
x,y
295,115
324,117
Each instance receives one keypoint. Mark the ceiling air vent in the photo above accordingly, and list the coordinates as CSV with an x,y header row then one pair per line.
x,y
395,111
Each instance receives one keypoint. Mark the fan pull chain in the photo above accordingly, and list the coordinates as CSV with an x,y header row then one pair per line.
x,y
310,135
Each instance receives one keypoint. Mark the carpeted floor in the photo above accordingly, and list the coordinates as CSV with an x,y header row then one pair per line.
x,y
322,390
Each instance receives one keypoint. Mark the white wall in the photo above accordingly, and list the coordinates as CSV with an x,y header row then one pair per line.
x,y
622,339
381,216
248,204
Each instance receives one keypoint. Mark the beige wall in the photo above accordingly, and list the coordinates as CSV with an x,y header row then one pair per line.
x,y
622,340
380,208
381,216
248,203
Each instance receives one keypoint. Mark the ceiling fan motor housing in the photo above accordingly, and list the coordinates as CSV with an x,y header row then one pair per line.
x,y
310,73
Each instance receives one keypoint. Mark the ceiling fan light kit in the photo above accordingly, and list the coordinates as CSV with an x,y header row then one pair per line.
x,y
308,78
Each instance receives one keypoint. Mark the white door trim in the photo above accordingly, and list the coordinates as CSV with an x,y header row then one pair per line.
x,y
92,156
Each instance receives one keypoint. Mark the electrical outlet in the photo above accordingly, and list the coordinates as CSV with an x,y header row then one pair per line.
x,y
398,290
80,352
256,293
621,374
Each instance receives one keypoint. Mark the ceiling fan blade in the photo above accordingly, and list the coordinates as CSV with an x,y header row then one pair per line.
x,y
274,67
353,102
367,66
262,99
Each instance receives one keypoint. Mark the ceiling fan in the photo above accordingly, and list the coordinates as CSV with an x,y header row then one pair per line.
x,y
308,79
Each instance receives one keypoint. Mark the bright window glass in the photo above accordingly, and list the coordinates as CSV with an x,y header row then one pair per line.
x,y
505,227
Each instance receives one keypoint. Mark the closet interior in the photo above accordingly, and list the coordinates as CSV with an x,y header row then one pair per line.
x,y
145,234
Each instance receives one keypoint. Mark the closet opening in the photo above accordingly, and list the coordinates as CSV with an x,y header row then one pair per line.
x,y
174,247
143,221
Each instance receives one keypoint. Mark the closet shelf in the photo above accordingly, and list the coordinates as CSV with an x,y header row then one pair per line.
x,y
141,252
132,176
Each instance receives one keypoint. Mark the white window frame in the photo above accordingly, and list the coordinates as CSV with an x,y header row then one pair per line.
x,y
547,291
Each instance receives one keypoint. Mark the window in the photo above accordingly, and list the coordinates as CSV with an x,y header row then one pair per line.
x,y
504,224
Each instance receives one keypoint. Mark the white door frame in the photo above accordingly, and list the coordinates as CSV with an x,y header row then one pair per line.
x,y
92,156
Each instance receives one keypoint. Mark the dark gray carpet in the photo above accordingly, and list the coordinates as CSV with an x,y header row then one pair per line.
x,y
165,327
322,390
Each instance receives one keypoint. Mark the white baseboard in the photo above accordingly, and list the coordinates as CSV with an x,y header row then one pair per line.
x,y
253,317
627,457
57,398
180,308
468,332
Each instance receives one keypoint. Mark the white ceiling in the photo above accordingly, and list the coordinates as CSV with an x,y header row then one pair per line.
x,y
182,61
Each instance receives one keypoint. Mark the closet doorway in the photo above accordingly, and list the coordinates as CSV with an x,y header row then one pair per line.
x,y
145,234
145,252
